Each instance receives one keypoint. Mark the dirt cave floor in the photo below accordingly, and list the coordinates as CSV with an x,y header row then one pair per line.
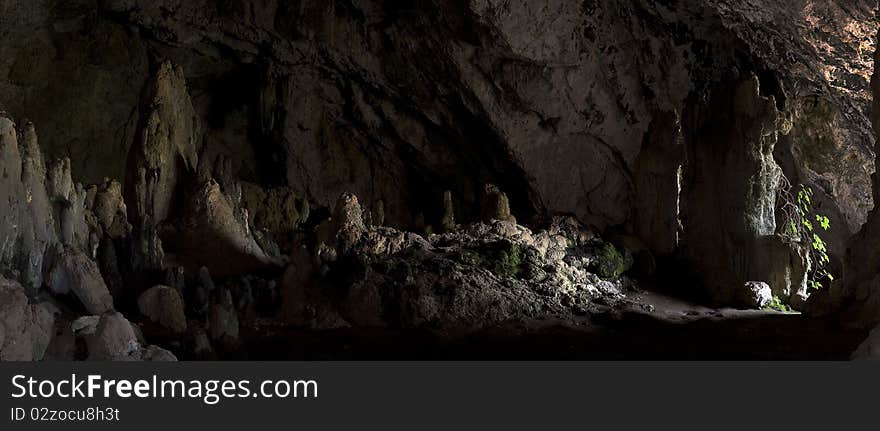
x,y
651,326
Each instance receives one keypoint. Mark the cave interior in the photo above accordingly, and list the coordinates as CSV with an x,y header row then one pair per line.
x,y
434,179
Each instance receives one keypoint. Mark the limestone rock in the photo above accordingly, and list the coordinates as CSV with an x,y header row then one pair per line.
x,y
731,215
223,319
756,294
43,329
277,210
165,146
71,270
153,353
478,276
85,325
348,222
115,339
28,228
857,298
213,232
298,282
110,210
496,206
162,158
16,323
563,129
163,304
448,220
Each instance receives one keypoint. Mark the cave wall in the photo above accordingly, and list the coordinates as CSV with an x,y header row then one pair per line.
x,y
857,300
569,107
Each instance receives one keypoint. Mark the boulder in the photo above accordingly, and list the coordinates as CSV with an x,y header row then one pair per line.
x,y
756,294
115,339
223,319
110,210
85,325
163,304
43,329
71,270
16,323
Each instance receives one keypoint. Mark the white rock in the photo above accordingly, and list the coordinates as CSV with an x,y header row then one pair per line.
x,y
757,294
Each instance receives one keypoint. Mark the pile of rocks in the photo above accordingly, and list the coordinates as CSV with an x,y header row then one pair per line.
x,y
468,278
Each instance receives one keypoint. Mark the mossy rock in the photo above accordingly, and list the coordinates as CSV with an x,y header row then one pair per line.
x,y
611,263
469,257
503,258
507,260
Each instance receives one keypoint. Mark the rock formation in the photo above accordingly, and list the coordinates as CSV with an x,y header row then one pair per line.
x,y
162,156
730,205
206,169
858,298
483,275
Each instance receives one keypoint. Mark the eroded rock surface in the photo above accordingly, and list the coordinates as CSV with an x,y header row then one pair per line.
x,y
483,275
671,127
72,271
163,305
15,323
114,339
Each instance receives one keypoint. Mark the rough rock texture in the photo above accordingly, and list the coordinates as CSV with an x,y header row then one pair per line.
x,y
213,231
480,276
234,126
277,210
26,330
114,339
554,103
496,205
223,319
28,228
163,304
43,331
730,233
163,153
858,298
16,325
110,210
757,294
70,270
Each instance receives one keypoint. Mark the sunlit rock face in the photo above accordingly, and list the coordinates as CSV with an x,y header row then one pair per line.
x,y
858,298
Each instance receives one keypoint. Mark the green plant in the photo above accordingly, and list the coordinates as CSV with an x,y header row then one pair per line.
x,y
806,225
776,304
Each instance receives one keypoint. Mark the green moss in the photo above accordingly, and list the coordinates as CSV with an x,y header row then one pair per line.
x,y
507,259
610,263
776,304
470,257
508,263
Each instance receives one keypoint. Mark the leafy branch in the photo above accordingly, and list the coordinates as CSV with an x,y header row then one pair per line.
x,y
806,226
